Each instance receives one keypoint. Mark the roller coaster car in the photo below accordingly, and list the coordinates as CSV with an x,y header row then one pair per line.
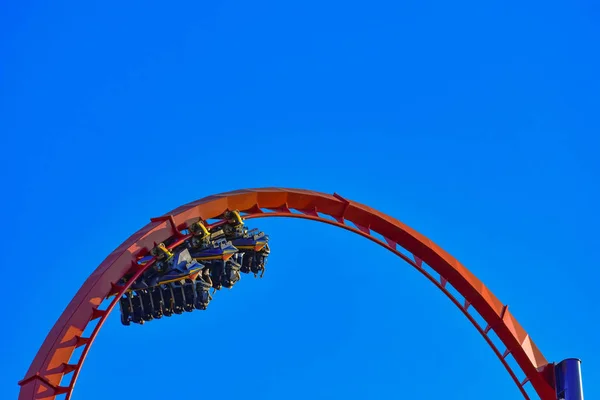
x,y
255,248
221,249
176,267
182,267
251,240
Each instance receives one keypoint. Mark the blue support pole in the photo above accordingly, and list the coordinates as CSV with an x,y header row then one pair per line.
x,y
568,380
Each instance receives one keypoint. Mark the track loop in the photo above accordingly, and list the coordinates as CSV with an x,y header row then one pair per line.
x,y
52,363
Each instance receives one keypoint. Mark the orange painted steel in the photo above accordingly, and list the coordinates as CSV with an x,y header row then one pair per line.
x,y
53,362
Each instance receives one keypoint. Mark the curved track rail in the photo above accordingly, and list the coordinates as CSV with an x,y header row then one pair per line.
x,y
53,363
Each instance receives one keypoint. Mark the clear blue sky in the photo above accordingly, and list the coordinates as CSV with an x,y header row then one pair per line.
x,y
474,122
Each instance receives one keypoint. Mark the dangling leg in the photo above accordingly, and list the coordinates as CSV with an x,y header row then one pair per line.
x,y
189,294
147,304
125,305
198,304
177,298
138,309
168,301
216,272
155,292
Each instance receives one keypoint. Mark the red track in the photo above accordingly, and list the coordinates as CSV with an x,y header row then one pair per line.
x,y
53,361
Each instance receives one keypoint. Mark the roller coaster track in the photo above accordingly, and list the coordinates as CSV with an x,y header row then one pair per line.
x,y
53,373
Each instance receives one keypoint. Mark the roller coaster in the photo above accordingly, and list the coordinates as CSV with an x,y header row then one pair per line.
x,y
176,263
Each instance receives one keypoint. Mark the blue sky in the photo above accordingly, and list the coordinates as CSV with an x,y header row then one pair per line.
x,y
474,122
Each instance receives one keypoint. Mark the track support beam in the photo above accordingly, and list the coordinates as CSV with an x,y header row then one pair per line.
x,y
569,384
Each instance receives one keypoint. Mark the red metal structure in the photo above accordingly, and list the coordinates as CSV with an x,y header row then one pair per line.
x,y
53,372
